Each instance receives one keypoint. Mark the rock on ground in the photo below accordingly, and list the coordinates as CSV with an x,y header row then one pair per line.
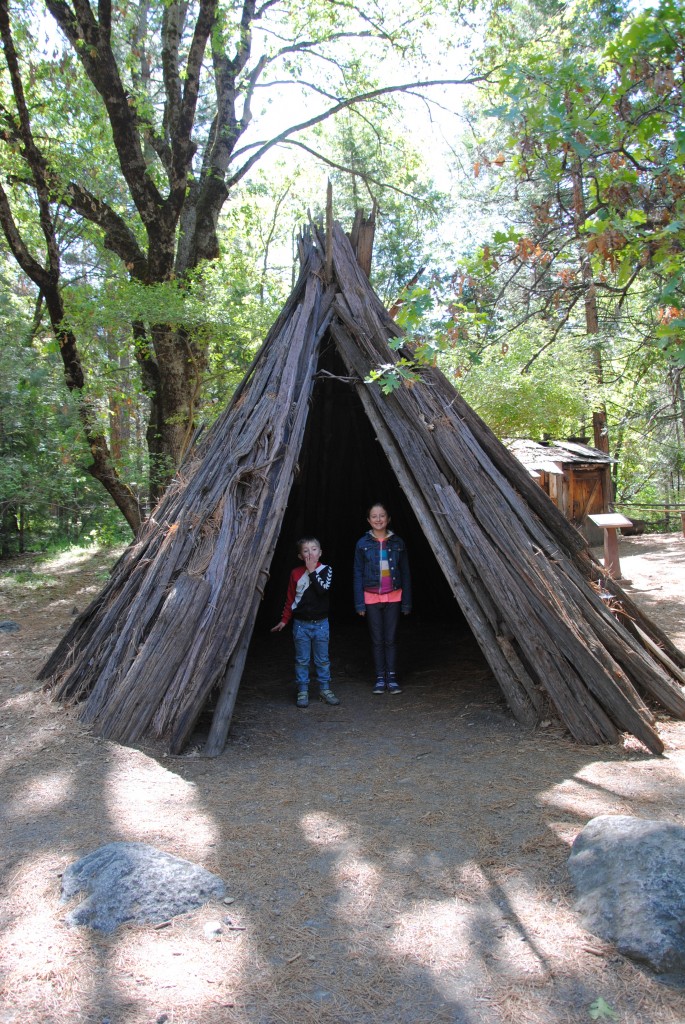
x,y
135,882
629,875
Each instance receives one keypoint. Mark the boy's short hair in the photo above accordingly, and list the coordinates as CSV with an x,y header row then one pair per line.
x,y
306,540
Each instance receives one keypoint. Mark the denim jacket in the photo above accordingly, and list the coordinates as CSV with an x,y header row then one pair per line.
x,y
366,573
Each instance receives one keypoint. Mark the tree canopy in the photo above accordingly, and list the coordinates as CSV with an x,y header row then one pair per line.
x,y
156,158
128,126
572,289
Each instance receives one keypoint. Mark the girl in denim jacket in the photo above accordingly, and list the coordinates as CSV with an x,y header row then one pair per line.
x,y
382,588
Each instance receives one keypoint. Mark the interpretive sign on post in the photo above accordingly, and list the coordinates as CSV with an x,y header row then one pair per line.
x,y
610,523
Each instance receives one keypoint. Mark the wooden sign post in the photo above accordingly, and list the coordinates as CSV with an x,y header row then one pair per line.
x,y
610,523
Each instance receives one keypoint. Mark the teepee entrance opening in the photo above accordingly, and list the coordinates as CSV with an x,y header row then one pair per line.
x,y
342,471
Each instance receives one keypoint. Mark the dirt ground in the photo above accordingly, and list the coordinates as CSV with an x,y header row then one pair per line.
x,y
396,860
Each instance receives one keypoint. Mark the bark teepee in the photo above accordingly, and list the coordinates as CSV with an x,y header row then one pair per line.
x,y
172,627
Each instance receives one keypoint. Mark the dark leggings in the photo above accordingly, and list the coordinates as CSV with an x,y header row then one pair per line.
x,y
383,619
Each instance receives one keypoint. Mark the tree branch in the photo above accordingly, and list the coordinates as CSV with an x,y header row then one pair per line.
x,y
34,158
366,178
264,147
118,237
93,49
105,18
173,19
182,147
102,467
35,270
307,45
555,334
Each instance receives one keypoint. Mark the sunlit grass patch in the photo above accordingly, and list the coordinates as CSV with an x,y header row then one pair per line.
x,y
26,579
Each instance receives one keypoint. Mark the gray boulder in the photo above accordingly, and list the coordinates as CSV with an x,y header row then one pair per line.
x,y
629,876
135,882
7,626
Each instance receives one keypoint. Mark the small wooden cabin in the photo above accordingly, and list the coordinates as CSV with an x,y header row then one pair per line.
x,y
576,477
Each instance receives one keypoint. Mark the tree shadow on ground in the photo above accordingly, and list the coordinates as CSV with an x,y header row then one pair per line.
x,y
395,859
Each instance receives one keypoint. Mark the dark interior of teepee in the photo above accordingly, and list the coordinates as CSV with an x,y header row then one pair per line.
x,y
342,471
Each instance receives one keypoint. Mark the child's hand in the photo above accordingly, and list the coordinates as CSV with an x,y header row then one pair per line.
x,y
277,628
310,562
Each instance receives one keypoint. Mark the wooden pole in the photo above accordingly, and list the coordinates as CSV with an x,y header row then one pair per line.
x,y
611,559
329,232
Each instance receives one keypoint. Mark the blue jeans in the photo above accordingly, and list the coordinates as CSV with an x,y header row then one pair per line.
x,y
311,638
383,620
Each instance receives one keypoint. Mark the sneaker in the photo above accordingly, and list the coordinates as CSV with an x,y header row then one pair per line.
x,y
328,697
380,686
302,699
393,685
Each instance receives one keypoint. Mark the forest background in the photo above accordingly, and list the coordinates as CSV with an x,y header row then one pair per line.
x,y
526,161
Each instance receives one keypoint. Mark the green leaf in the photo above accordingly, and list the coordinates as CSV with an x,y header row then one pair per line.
x,y
671,287
580,148
680,142
600,1010
624,272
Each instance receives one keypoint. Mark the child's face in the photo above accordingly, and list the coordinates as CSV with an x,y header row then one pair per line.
x,y
310,550
378,518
